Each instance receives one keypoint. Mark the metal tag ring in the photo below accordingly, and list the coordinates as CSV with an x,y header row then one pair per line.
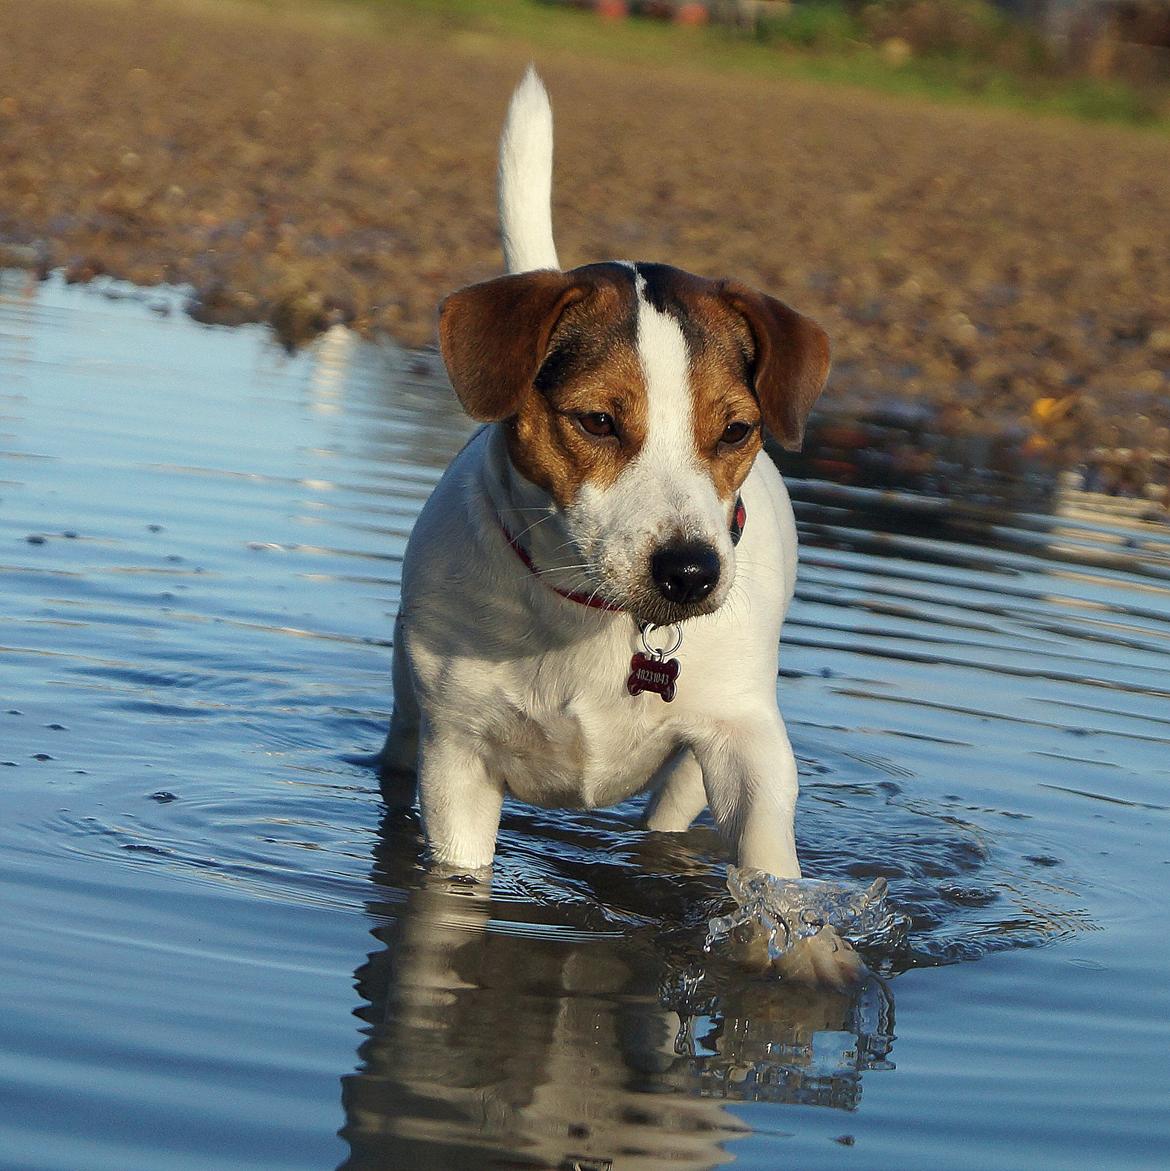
x,y
648,628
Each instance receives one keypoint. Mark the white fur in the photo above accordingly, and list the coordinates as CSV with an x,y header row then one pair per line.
x,y
503,685
525,179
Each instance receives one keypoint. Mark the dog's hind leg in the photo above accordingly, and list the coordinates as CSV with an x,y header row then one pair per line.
x,y
398,760
677,795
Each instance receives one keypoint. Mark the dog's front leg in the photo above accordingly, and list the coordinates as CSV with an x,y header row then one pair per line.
x,y
749,774
460,801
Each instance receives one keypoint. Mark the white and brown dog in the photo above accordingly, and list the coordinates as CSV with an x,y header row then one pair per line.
x,y
615,501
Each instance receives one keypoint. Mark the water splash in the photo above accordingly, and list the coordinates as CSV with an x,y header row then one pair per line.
x,y
777,913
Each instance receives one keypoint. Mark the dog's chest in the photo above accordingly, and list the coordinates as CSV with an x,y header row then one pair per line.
x,y
576,746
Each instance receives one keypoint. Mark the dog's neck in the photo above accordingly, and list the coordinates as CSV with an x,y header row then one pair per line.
x,y
529,517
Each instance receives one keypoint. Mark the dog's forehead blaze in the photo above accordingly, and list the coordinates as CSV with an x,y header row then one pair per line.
x,y
718,343
592,365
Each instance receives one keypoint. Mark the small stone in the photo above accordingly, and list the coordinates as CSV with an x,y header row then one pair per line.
x,y
896,52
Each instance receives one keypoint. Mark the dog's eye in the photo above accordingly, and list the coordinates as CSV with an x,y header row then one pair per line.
x,y
735,433
598,423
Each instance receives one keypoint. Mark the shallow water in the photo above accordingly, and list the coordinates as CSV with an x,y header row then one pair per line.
x,y
215,953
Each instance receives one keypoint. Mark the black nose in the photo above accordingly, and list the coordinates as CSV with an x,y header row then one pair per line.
x,y
685,573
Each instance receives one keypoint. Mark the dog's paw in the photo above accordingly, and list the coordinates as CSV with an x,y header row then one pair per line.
x,y
824,960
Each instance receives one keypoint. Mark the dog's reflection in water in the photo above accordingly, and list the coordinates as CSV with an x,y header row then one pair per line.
x,y
491,1045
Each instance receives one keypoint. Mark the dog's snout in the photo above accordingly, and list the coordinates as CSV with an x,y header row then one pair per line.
x,y
685,573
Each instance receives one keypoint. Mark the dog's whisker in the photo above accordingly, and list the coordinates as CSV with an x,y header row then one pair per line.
x,y
735,596
535,524
558,568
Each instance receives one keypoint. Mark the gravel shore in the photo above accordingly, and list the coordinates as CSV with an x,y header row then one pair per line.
x,y
1007,271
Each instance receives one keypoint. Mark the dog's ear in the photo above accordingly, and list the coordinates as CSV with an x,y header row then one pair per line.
x,y
791,360
495,335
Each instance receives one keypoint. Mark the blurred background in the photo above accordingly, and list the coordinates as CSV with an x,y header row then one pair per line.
x,y
218,951
970,195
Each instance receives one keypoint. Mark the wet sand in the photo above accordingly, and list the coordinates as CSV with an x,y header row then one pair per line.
x,y
1006,271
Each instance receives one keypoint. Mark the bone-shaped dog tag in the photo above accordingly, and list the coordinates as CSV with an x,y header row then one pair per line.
x,y
650,674
651,670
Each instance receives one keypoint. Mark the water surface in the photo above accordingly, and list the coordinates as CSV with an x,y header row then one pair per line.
x,y
217,953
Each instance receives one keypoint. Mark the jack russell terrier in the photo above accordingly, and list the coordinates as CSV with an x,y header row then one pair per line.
x,y
592,596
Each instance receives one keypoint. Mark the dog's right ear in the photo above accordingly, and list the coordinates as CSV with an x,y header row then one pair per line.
x,y
495,335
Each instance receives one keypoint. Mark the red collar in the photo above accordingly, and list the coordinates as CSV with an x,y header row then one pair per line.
x,y
738,520
573,596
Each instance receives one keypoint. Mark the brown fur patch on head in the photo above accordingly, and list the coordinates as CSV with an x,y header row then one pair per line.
x,y
722,398
591,367
790,364
495,335
741,338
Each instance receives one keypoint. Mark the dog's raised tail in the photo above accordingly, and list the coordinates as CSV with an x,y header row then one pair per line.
x,y
525,179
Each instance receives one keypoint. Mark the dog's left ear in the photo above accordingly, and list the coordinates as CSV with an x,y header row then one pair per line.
x,y
791,360
495,335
